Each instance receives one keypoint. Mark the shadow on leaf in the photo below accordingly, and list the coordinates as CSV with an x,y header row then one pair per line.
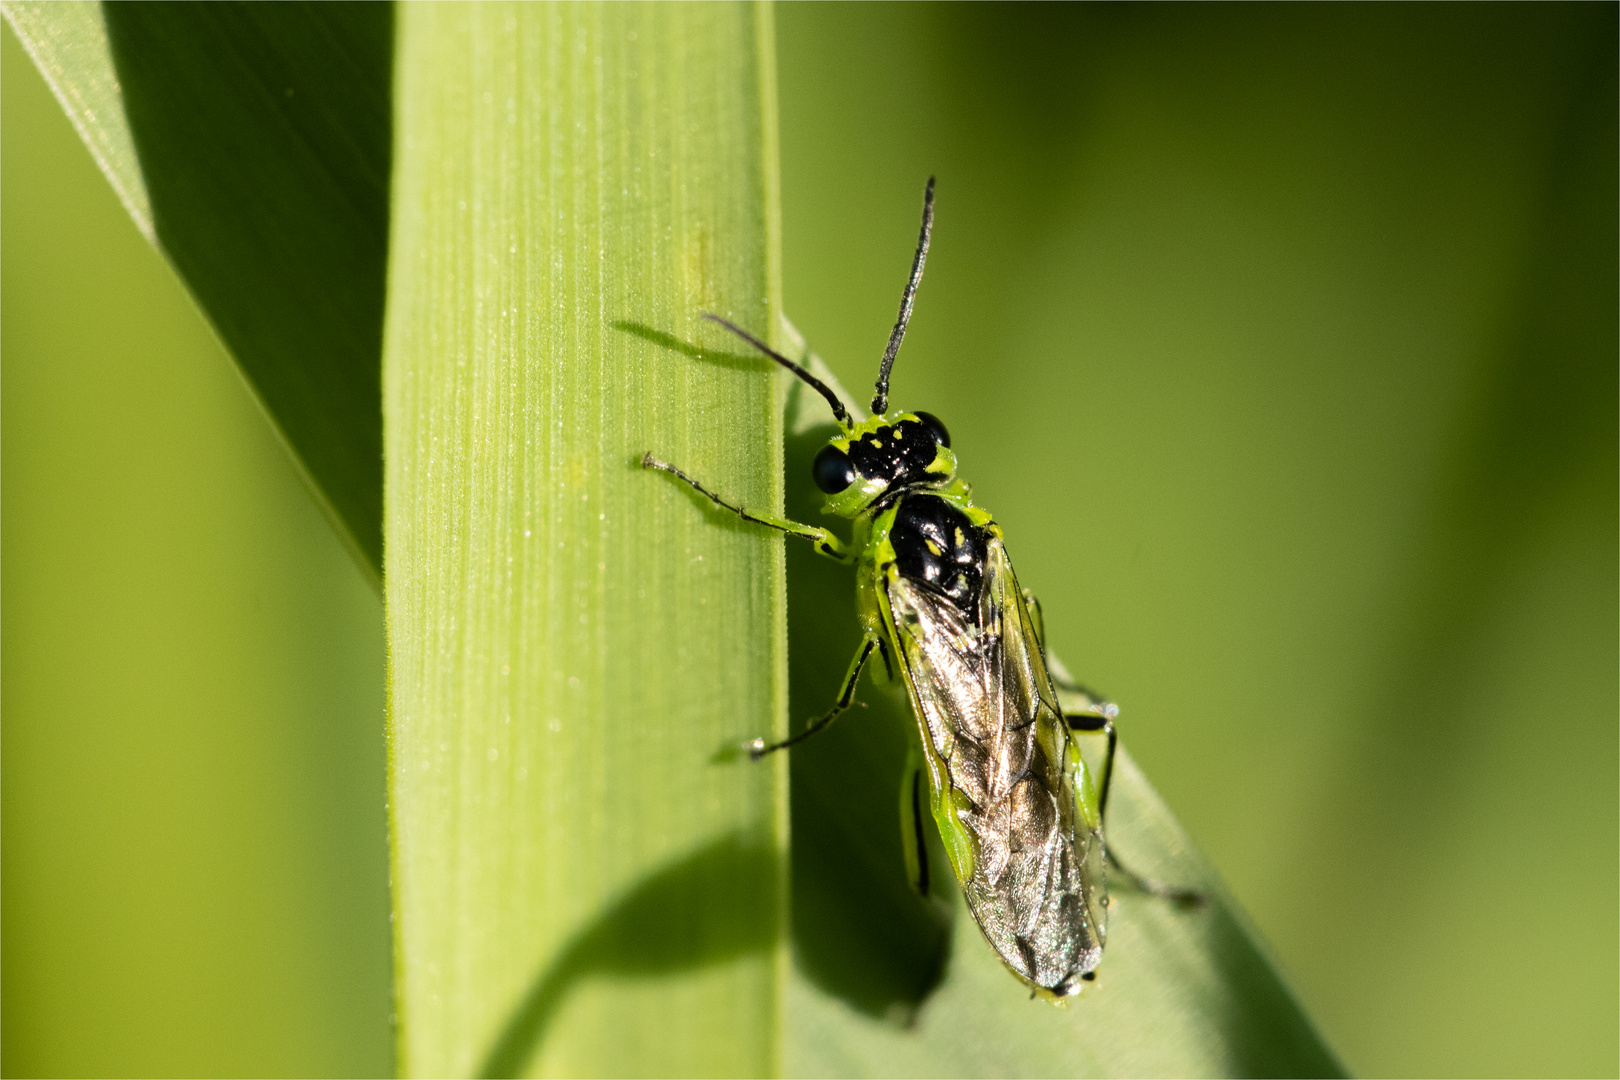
x,y
1266,1031
736,361
264,133
712,906
859,930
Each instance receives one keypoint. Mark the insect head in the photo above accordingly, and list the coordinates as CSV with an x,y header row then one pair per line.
x,y
870,463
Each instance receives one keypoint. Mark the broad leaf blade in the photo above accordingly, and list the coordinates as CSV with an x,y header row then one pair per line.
x,y
887,984
252,141
584,881
1180,992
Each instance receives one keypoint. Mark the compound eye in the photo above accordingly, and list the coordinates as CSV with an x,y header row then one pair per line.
x,y
935,427
832,470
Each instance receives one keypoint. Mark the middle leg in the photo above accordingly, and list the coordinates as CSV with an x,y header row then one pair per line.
x,y
913,841
846,694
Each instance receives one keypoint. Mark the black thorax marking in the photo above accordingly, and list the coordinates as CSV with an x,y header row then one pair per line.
x,y
936,545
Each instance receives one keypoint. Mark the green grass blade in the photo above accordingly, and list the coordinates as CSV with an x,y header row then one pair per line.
x,y
585,882
252,142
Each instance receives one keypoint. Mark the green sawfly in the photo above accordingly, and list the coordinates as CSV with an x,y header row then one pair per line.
x,y
999,721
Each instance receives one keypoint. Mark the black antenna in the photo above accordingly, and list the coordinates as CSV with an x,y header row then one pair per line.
x,y
839,411
880,400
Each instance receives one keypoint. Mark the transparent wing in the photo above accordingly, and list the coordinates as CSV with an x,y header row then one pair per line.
x,y
989,715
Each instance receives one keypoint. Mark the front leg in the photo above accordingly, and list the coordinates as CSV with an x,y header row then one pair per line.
x,y
825,542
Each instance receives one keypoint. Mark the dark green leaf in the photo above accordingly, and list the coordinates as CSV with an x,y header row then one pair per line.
x,y
261,138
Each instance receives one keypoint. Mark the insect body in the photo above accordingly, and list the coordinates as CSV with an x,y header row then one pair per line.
x,y
1018,810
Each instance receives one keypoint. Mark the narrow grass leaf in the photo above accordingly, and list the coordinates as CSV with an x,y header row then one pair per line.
x,y
588,875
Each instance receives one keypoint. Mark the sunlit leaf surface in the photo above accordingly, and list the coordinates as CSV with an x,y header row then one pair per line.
x,y
585,881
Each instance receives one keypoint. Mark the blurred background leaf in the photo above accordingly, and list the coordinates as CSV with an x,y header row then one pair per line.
x,y
193,872
261,137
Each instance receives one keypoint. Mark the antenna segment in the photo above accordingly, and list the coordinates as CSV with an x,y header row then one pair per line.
x,y
880,400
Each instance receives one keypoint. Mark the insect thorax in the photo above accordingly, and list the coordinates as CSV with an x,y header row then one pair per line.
x,y
937,545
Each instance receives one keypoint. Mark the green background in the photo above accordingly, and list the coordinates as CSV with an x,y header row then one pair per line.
x,y
193,859
1282,342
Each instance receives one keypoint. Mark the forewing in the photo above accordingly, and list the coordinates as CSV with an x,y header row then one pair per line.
x,y
988,713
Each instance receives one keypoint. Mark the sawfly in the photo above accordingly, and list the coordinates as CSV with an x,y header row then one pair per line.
x,y
1018,810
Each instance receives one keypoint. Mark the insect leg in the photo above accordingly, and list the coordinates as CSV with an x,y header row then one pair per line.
x,y
1091,722
1178,896
888,676
825,542
1075,699
912,840
758,748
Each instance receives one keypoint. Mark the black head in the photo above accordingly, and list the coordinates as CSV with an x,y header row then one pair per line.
x,y
883,455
